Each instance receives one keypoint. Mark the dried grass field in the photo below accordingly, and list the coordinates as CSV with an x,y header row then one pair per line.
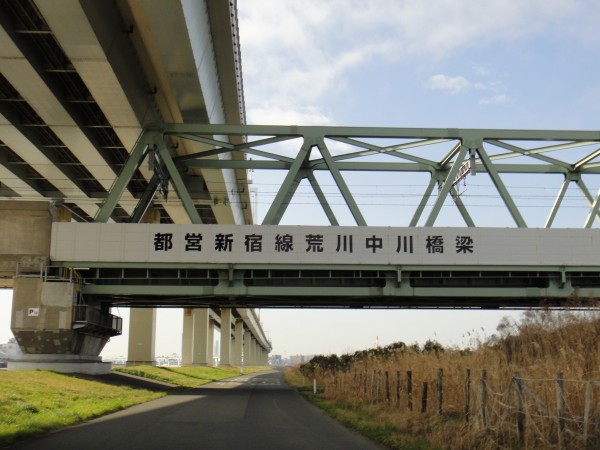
x,y
535,384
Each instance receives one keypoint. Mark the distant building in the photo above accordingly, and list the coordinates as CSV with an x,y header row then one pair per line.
x,y
276,360
297,359
280,360
9,351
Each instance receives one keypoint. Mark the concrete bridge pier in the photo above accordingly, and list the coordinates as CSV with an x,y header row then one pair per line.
x,y
226,341
142,335
238,342
247,347
56,328
197,338
142,321
187,337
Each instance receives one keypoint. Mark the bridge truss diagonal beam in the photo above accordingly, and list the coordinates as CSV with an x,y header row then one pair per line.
x,y
559,198
588,196
175,176
289,186
446,186
508,201
134,161
341,184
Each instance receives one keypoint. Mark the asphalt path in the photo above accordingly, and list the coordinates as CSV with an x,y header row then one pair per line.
x,y
257,411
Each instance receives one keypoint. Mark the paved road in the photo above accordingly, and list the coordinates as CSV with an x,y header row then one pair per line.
x,y
257,411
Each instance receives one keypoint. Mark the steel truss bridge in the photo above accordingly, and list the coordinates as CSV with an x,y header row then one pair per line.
x,y
447,156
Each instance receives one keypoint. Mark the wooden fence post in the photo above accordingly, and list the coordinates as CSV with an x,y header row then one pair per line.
x,y
387,386
520,408
484,418
468,396
586,412
424,397
440,391
409,389
373,384
560,408
398,387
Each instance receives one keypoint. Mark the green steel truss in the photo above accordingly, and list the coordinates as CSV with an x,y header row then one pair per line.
x,y
471,151
302,152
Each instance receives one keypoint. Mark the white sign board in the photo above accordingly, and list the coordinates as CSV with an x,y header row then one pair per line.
x,y
33,312
274,244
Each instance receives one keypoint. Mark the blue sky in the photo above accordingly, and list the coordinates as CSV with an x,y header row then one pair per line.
x,y
528,64
453,63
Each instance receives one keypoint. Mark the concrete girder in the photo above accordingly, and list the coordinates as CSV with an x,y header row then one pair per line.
x,y
17,185
27,81
253,324
71,23
39,162
180,60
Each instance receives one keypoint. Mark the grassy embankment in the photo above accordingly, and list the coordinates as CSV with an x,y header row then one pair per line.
x,y
188,377
35,402
517,404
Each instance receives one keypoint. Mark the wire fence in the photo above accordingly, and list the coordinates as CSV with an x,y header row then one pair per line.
x,y
532,413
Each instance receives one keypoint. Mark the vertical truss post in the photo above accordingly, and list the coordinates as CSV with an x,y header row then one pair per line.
x,y
289,185
508,201
177,181
437,206
135,159
557,202
341,184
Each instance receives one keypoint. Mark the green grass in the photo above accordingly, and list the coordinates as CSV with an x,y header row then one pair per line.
x,y
34,402
187,377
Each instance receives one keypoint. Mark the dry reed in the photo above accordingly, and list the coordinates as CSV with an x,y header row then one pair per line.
x,y
535,384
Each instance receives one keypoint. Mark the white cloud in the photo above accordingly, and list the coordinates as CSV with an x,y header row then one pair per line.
x,y
295,54
276,115
500,99
451,85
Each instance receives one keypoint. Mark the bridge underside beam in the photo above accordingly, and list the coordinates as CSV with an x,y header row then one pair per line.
x,y
345,287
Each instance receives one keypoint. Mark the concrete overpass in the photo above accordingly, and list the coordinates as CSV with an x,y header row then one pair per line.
x,y
79,82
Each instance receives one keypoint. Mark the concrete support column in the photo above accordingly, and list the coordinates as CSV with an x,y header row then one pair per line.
x,y
211,342
253,352
201,355
238,344
225,357
187,338
247,346
142,331
142,321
